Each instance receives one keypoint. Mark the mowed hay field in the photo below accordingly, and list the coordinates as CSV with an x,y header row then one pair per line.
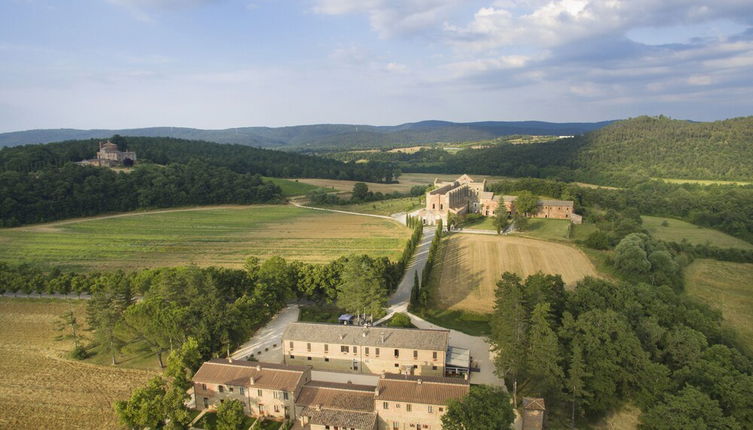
x,y
41,390
727,287
223,236
677,230
406,181
471,264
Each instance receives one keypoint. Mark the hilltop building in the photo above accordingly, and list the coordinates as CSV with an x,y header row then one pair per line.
x,y
281,392
373,350
110,156
464,196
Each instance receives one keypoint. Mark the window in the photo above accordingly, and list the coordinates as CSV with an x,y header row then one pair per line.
x,y
397,353
395,426
433,206
230,388
434,355
285,395
204,387
242,391
326,359
441,409
344,348
430,409
376,352
415,354
441,206
221,388
206,403
397,365
385,405
355,349
258,393
433,367
308,347
308,358
292,356
261,408
397,405
326,348
415,366
291,344
408,407
277,408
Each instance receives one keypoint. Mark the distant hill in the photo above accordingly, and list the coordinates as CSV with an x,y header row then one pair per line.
x,y
637,147
322,137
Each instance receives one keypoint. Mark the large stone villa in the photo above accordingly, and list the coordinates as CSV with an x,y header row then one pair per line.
x,y
464,196
110,156
411,370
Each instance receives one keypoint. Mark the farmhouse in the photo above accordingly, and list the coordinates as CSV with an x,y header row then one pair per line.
x,y
287,392
374,350
464,195
110,156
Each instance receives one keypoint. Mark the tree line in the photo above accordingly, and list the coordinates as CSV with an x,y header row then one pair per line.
x,y
602,345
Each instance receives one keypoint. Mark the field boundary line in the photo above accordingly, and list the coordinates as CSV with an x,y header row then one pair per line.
x,y
298,205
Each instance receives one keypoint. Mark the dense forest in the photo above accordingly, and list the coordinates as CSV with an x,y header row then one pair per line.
x,y
602,345
642,147
40,183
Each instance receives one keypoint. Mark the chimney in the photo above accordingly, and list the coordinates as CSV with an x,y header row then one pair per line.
x,y
465,376
230,359
383,374
376,391
381,337
251,380
258,367
318,407
419,381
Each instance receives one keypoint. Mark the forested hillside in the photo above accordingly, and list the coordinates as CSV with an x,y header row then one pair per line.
x,y
40,183
323,137
638,147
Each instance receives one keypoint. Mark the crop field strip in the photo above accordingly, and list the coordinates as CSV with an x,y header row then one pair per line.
x,y
470,266
677,230
39,388
727,287
222,236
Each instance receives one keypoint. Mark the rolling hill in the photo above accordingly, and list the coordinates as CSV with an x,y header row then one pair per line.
x,y
321,137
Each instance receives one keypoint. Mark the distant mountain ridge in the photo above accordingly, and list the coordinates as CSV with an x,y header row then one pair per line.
x,y
321,137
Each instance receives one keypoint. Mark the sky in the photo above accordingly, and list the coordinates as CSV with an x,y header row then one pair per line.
x,y
231,63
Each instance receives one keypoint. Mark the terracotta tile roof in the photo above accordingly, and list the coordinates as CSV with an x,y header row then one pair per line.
x,y
347,419
408,338
566,203
348,397
430,390
535,403
266,375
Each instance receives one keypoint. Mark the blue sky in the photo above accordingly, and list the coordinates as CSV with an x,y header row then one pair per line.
x,y
227,63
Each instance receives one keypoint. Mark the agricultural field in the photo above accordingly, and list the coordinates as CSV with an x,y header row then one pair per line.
x,y
676,231
39,388
727,287
382,207
292,187
702,181
470,266
205,236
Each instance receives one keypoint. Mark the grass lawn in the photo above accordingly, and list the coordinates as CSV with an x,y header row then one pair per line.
x,y
727,287
581,231
547,229
39,387
383,207
470,265
293,187
475,324
223,236
320,313
677,230
485,223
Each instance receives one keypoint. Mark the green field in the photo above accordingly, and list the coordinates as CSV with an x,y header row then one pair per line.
x,y
547,229
292,187
727,287
581,231
677,230
383,207
204,236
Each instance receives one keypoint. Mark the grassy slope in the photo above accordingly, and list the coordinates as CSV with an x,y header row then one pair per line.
x,y
678,230
727,287
293,187
546,229
203,236
383,207
41,389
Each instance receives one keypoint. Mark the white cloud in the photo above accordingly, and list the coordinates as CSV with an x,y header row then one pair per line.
x,y
396,68
392,17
